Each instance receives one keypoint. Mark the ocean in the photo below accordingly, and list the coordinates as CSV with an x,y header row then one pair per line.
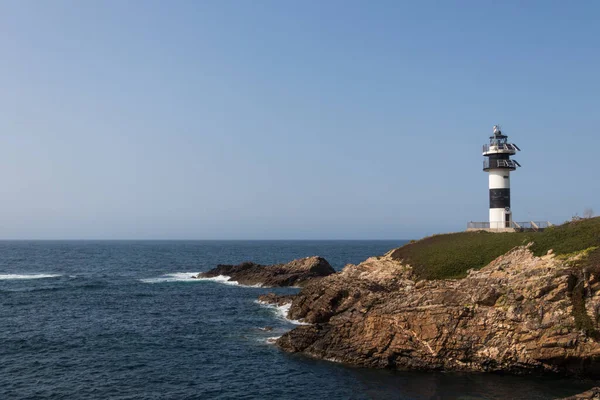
x,y
124,320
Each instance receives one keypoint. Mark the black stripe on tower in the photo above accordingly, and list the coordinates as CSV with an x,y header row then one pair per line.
x,y
499,198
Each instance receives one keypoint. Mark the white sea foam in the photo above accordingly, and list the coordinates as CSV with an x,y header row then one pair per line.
x,y
220,279
281,312
175,277
272,339
267,340
189,277
26,276
227,281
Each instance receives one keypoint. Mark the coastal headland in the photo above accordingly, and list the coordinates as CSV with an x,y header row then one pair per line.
x,y
472,301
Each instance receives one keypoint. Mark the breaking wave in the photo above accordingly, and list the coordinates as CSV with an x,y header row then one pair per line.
x,y
175,277
272,339
281,312
6,277
189,277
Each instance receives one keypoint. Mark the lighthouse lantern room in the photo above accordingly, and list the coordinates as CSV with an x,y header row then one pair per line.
x,y
498,165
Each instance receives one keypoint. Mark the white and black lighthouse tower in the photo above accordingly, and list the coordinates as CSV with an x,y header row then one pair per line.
x,y
499,165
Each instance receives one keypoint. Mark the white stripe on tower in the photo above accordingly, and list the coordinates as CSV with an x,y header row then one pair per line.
x,y
499,179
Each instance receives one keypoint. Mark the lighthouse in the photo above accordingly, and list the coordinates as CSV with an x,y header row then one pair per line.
x,y
498,165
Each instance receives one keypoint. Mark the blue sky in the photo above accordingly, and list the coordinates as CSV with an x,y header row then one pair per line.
x,y
290,119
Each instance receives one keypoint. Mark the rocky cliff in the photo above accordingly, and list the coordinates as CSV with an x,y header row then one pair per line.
x,y
295,273
520,313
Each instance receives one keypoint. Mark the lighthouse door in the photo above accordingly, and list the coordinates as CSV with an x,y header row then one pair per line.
x,y
507,220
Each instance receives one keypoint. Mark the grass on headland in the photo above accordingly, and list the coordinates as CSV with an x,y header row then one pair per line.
x,y
452,255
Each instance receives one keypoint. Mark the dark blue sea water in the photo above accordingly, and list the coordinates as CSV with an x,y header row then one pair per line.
x,y
122,320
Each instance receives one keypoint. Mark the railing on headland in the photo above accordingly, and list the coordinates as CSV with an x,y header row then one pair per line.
x,y
532,225
478,225
518,226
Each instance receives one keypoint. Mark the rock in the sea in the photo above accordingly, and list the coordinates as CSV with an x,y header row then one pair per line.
x,y
276,299
592,394
518,314
266,328
296,273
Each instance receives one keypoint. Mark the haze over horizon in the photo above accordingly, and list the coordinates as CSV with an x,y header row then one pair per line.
x,y
290,120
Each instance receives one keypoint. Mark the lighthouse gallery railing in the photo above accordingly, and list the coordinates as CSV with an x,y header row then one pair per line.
x,y
490,164
509,147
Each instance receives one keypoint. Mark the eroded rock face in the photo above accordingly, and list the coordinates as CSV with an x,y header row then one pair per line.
x,y
514,315
296,273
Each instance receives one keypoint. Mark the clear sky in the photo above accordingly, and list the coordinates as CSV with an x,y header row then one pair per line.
x,y
290,119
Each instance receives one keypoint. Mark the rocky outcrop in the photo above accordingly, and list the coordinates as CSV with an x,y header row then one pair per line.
x,y
275,299
519,314
296,273
592,394
362,285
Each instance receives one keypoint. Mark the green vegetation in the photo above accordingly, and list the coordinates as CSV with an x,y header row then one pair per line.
x,y
452,255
